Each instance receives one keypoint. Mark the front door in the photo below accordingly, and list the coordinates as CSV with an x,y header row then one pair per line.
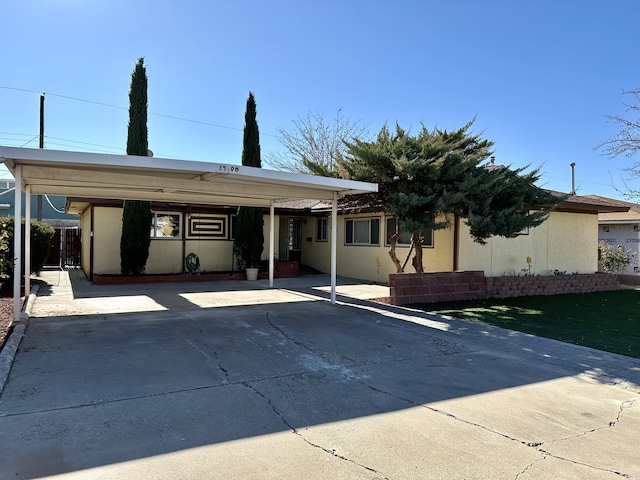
x,y
295,239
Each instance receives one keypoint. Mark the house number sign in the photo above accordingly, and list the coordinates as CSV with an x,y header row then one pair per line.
x,y
228,168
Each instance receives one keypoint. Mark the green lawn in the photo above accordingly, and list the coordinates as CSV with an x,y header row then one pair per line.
x,y
607,321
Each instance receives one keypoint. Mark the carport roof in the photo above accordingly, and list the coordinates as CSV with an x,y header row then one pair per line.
x,y
132,177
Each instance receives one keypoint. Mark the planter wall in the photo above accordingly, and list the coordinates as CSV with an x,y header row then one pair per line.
x,y
287,269
407,288
508,287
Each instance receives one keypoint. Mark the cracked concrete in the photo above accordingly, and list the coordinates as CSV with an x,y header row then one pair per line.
x,y
245,382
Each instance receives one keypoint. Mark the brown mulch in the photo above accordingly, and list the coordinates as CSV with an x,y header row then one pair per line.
x,y
385,300
6,314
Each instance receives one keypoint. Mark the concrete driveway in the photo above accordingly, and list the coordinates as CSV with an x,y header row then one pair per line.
x,y
179,381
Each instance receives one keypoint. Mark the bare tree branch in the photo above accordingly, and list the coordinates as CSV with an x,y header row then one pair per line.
x,y
627,141
314,145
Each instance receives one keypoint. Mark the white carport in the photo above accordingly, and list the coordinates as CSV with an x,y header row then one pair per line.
x,y
53,172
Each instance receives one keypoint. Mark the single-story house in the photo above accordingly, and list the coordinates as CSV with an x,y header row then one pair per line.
x,y
51,172
621,229
194,204
564,243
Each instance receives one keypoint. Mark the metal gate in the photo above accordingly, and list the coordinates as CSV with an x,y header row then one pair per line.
x,y
71,247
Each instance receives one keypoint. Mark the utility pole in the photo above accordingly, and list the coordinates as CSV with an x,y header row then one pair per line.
x,y
39,216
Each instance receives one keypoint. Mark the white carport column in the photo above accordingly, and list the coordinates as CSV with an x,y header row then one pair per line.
x,y
334,238
17,241
271,241
27,241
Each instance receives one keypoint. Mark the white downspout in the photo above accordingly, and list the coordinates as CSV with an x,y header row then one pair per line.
x,y
271,241
17,242
334,237
27,242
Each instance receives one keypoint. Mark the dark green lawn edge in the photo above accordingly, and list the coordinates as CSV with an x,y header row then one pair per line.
x,y
608,321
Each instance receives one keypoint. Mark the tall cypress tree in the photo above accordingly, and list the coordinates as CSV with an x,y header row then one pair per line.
x,y
248,235
136,215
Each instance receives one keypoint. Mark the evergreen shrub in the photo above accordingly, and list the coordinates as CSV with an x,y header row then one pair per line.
x,y
41,235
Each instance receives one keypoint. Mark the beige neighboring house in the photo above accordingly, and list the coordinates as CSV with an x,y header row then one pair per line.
x,y
621,229
565,242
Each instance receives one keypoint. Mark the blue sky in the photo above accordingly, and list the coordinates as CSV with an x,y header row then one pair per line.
x,y
539,76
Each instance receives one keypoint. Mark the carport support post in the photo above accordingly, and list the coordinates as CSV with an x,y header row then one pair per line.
x,y
271,240
334,238
17,241
27,241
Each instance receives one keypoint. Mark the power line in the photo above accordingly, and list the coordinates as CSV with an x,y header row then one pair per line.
x,y
102,148
29,141
83,143
163,115
75,146
18,134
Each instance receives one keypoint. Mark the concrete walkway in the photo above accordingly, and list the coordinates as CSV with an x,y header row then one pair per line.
x,y
235,380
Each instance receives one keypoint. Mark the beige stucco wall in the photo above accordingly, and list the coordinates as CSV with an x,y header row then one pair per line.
x,y
371,263
316,254
107,230
565,242
85,241
165,255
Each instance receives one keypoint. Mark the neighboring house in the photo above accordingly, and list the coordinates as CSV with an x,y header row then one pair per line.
x,y
65,244
621,229
53,206
565,242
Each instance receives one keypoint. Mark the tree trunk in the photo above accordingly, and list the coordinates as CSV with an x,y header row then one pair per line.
x,y
416,241
392,253
406,259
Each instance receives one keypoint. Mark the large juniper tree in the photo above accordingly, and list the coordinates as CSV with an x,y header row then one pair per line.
x,y
428,179
248,234
136,215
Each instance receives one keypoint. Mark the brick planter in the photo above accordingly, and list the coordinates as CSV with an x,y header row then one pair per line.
x,y
407,288
508,287
286,269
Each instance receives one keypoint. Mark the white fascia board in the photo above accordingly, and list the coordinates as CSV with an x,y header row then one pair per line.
x,y
155,196
634,221
42,178
17,155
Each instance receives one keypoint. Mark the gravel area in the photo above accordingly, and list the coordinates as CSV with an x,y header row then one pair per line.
x,y
6,315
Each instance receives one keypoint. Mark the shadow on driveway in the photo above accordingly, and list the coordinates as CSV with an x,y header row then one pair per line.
x,y
186,379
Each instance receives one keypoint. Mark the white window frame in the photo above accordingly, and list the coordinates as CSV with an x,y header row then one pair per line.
x,y
353,221
322,229
426,243
154,223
